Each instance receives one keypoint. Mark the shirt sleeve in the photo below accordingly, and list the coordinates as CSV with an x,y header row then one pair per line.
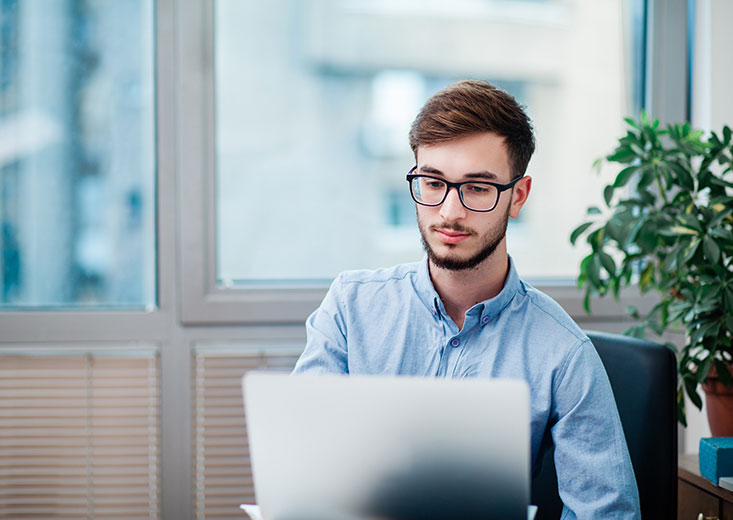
x,y
594,471
326,347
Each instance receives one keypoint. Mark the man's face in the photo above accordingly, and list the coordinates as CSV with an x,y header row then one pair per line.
x,y
455,237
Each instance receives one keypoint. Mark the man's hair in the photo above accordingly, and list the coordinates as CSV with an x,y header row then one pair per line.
x,y
471,107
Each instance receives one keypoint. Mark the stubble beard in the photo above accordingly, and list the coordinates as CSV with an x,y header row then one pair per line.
x,y
488,245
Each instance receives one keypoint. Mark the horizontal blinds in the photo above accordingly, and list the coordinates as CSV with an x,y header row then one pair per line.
x,y
222,466
79,436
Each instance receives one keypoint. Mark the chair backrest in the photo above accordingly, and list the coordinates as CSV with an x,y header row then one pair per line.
x,y
643,376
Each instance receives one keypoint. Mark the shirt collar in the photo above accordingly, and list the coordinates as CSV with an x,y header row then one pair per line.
x,y
488,308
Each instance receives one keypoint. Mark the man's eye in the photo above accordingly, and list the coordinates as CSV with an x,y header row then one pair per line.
x,y
477,189
435,185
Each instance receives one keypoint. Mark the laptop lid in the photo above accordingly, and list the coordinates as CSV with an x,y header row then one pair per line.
x,y
388,447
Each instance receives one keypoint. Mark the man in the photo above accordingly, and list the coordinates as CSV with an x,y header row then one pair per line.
x,y
464,312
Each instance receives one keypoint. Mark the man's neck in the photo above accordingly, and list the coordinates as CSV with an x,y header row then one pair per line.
x,y
461,290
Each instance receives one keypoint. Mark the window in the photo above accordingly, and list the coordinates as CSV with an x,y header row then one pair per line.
x,y
314,102
77,154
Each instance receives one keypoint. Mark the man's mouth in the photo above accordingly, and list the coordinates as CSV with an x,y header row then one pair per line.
x,y
450,236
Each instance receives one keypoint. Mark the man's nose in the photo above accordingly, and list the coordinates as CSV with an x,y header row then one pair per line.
x,y
452,209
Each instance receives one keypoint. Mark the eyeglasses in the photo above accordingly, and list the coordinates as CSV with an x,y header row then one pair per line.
x,y
475,195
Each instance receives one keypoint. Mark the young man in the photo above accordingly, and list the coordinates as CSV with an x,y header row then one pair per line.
x,y
464,311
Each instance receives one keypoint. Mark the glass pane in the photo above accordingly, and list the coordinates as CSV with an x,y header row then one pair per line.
x,y
77,154
315,99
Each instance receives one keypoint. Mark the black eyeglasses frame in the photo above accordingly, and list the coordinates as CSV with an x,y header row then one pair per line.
x,y
457,185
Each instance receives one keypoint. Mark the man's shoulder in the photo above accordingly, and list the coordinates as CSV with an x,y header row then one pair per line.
x,y
550,315
395,273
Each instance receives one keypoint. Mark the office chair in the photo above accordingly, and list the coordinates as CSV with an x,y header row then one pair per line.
x,y
643,376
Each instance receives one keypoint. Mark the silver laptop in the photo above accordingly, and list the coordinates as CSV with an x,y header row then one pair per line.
x,y
339,447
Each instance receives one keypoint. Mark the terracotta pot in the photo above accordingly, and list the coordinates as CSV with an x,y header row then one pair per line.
x,y
719,404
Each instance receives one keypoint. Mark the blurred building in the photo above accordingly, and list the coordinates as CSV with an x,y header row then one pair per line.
x,y
77,154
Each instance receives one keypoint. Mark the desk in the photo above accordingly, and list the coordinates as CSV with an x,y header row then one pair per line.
x,y
696,494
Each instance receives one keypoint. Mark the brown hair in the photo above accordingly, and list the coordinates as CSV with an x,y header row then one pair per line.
x,y
471,107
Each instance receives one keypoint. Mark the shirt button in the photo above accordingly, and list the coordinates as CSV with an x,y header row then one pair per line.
x,y
485,320
455,342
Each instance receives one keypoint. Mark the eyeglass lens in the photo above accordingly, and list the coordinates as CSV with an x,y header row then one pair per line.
x,y
476,196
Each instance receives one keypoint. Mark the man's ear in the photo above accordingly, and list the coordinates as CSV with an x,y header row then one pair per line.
x,y
519,195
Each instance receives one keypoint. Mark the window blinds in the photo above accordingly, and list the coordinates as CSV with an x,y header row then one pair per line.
x,y
223,478
79,435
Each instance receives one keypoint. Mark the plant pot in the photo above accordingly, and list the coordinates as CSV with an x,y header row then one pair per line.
x,y
719,404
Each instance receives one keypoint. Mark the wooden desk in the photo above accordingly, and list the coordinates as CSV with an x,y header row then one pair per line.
x,y
696,494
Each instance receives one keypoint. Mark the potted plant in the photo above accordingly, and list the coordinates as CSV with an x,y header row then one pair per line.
x,y
668,228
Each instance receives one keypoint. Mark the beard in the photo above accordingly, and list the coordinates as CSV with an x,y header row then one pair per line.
x,y
488,244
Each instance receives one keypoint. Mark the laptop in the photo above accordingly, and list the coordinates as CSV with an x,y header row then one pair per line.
x,y
356,447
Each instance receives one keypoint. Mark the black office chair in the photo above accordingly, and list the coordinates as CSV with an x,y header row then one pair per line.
x,y
643,376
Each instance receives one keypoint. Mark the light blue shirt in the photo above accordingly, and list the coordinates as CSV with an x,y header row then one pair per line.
x,y
392,322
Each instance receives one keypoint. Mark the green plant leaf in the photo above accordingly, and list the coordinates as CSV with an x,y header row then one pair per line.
x,y
630,203
616,286
683,175
607,262
670,261
711,249
647,277
720,183
704,308
593,210
722,370
691,389
680,230
729,321
656,319
631,123
647,178
631,238
624,175
721,213
729,299
710,292
616,228
644,117
597,165
678,308
723,234
709,329
594,273
623,155
690,251
646,197
703,369
690,222
595,239
608,194
681,416
579,231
